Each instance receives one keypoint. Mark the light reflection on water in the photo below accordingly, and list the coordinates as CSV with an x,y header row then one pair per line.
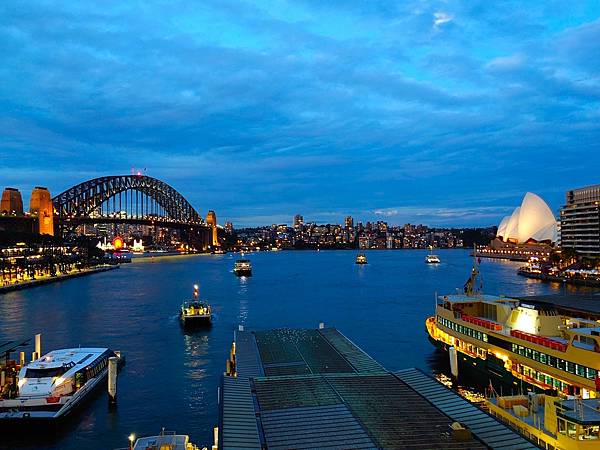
x,y
171,376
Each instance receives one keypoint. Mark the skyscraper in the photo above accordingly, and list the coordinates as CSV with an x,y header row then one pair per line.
x,y
580,221
298,221
349,222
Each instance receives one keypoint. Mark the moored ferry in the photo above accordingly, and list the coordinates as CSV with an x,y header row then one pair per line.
x,y
550,421
522,346
51,386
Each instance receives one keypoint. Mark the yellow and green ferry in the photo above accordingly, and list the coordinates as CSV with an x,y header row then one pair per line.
x,y
519,347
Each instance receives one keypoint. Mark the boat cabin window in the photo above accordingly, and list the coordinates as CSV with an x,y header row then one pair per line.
x,y
49,372
590,432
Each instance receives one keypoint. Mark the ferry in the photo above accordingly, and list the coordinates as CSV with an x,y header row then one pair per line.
x,y
196,311
525,347
51,386
361,258
431,258
550,421
167,440
242,268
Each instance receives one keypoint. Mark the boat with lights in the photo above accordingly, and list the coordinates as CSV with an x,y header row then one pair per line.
x,y
521,347
431,258
550,421
166,440
195,312
361,258
53,385
243,268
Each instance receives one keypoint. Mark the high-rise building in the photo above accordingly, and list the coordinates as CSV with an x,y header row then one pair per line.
x,y
40,205
349,222
211,221
580,221
298,221
12,202
228,228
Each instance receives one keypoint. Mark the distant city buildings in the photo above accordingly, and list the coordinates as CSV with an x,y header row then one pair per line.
x,y
580,221
377,235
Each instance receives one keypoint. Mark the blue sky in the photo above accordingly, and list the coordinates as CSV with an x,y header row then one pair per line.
x,y
438,112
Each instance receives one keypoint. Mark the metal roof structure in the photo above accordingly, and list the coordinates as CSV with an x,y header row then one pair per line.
x,y
585,304
315,389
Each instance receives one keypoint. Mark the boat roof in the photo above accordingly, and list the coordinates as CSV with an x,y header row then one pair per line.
x,y
587,415
56,358
173,441
485,298
242,261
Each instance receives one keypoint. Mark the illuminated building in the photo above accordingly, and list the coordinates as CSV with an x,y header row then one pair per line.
x,y
580,221
41,206
530,231
298,221
349,222
211,221
12,203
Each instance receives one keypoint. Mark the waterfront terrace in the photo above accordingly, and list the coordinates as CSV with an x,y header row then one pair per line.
x,y
301,389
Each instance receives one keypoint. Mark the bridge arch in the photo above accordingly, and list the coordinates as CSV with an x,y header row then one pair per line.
x,y
85,199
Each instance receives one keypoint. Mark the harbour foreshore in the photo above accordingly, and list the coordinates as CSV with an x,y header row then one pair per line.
x,y
52,279
589,282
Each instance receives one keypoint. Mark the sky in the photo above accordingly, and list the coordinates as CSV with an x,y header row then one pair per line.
x,y
437,112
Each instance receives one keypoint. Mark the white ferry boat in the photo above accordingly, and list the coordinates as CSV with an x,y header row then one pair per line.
x,y
51,386
196,311
432,259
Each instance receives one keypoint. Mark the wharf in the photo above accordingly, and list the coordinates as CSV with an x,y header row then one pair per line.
x,y
304,389
52,279
585,282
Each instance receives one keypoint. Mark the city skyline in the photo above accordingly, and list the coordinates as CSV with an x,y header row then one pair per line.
x,y
442,113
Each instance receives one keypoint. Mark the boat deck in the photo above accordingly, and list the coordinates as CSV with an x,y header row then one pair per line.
x,y
315,389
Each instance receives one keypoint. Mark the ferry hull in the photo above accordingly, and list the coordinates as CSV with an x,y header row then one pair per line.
x,y
483,371
195,321
243,272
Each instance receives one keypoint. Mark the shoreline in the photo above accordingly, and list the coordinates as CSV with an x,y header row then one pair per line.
x,y
54,279
555,279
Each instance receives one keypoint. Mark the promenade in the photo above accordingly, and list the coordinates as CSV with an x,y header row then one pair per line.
x,y
40,281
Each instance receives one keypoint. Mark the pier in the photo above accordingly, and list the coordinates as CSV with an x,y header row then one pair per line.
x,y
316,389
52,279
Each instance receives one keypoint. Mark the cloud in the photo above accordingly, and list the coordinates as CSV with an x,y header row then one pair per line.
x,y
261,109
440,18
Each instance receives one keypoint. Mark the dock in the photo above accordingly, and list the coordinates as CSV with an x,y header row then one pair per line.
x,y
53,279
314,388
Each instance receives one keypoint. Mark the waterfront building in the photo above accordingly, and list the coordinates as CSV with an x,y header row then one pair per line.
x,y
580,220
12,202
530,231
40,205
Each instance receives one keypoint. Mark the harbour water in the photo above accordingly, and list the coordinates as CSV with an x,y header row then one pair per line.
x,y
171,376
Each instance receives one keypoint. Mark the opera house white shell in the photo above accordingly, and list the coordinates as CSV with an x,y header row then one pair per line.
x,y
532,221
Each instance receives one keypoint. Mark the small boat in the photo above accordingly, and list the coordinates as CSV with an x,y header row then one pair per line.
x,y
167,440
196,311
431,258
52,386
242,268
361,258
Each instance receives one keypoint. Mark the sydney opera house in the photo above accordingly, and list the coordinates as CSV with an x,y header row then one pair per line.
x,y
530,231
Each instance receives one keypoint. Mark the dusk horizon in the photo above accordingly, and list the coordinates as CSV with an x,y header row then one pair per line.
x,y
438,113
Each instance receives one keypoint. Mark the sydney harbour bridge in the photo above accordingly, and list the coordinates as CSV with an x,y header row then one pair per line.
x,y
129,199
